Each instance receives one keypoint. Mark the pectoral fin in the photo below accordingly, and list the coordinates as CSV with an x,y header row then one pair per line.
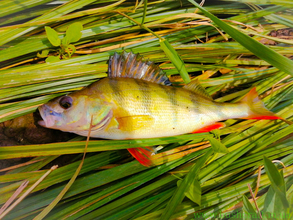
x,y
135,122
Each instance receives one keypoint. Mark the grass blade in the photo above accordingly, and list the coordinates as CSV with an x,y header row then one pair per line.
x,y
277,181
175,59
248,209
68,185
179,194
263,52
27,192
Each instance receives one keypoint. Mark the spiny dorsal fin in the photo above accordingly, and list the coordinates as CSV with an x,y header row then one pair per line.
x,y
131,65
195,87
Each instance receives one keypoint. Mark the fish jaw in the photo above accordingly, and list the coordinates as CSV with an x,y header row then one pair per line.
x,y
48,115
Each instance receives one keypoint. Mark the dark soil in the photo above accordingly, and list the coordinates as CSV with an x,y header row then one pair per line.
x,y
24,130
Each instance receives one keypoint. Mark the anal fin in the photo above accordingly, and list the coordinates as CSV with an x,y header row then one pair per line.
x,y
210,128
265,117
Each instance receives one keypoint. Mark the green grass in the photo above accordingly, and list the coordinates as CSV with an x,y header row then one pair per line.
x,y
219,44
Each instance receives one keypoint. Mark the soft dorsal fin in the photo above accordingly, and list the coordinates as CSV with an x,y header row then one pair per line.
x,y
131,65
195,87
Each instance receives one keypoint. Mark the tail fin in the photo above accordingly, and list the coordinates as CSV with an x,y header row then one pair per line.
x,y
257,108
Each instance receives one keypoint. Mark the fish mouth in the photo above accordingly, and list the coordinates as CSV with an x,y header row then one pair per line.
x,y
46,113
42,123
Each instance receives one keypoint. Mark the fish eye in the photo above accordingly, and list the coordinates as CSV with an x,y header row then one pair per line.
x,y
65,102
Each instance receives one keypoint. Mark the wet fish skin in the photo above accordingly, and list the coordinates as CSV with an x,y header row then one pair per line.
x,y
140,109
137,101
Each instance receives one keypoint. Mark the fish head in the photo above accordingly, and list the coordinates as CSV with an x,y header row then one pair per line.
x,y
74,113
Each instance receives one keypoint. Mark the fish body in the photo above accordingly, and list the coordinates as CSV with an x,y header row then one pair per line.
x,y
145,110
137,101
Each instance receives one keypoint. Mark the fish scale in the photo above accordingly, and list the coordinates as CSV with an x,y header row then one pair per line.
x,y
173,110
138,101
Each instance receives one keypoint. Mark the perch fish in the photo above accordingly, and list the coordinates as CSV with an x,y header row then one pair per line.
x,y
137,100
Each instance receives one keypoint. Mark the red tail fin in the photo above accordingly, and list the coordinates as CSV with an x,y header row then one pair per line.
x,y
257,108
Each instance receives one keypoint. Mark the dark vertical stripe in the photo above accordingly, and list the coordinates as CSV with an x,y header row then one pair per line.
x,y
117,91
145,91
194,101
171,95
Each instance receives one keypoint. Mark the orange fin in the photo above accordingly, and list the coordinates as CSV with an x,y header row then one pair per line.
x,y
273,117
257,108
210,128
143,155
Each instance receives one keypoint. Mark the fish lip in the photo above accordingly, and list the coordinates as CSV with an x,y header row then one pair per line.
x,y
43,109
42,123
